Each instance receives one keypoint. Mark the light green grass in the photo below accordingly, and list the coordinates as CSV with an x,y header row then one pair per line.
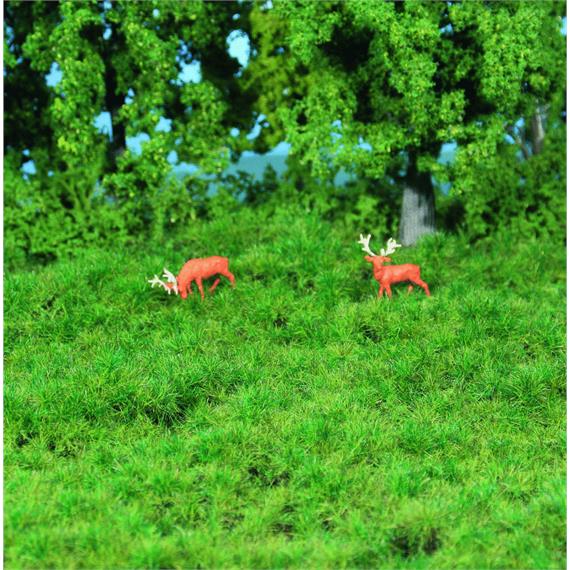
x,y
295,421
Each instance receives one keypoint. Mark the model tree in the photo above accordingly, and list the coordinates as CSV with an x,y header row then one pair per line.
x,y
509,164
125,59
386,84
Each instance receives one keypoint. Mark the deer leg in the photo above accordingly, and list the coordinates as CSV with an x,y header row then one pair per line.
x,y
213,287
410,289
380,291
227,273
388,291
200,288
423,285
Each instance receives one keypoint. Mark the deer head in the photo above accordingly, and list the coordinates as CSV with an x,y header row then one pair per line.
x,y
171,284
372,257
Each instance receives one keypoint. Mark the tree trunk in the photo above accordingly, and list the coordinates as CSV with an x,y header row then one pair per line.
x,y
113,103
119,139
418,205
537,127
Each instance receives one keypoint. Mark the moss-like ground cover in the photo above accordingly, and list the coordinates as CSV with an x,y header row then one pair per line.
x,y
295,421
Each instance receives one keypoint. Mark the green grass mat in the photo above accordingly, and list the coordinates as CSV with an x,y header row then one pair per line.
x,y
295,421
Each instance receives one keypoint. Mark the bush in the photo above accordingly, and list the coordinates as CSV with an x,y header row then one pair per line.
x,y
53,216
527,196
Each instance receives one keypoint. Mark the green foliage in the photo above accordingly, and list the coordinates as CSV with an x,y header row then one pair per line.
x,y
373,71
43,223
293,421
505,184
26,95
122,58
375,88
529,196
361,204
275,79
407,77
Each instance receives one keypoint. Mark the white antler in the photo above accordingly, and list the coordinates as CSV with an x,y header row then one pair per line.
x,y
171,284
171,279
391,247
364,241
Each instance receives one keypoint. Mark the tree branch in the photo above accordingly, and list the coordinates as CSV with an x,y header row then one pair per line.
x,y
518,140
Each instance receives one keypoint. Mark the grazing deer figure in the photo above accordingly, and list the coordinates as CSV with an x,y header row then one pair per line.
x,y
195,270
386,275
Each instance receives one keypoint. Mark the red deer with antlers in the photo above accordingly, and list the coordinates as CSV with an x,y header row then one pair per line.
x,y
195,270
386,275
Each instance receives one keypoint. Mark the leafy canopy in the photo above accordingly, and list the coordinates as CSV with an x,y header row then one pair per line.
x,y
382,80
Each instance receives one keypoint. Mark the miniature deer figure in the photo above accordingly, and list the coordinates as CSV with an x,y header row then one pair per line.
x,y
195,270
386,275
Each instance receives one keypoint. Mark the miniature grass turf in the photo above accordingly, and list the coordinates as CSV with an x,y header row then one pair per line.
x,y
295,421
